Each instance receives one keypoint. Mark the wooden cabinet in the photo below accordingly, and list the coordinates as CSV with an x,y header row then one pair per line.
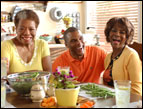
x,y
55,52
43,2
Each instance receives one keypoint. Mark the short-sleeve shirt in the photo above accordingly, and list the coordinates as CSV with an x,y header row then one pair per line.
x,y
127,67
9,50
87,70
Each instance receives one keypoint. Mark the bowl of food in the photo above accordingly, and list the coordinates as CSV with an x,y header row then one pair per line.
x,y
22,82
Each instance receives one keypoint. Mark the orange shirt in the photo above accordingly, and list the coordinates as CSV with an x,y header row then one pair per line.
x,y
87,70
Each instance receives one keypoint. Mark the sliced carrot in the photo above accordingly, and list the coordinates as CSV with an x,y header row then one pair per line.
x,y
90,103
82,106
51,104
43,104
86,105
45,100
49,99
48,102
53,99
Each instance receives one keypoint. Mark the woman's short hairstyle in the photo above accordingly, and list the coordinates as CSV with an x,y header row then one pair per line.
x,y
26,14
70,29
129,28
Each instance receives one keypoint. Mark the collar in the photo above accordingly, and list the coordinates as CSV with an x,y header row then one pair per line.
x,y
71,59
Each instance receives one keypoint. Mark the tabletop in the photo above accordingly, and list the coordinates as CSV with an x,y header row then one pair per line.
x,y
22,102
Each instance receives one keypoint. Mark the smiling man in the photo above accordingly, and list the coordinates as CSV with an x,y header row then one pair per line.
x,y
86,62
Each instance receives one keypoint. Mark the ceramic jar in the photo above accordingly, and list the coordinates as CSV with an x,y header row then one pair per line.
x,y
37,93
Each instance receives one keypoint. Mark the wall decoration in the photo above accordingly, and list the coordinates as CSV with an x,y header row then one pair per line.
x,y
56,14
14,11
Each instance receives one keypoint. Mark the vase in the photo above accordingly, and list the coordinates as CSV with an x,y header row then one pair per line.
x,y
50,91
67,97
37,93
67,26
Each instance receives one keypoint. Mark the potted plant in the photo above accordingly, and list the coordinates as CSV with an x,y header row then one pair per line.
x,y
66,91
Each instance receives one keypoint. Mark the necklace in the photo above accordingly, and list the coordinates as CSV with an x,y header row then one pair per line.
x,y
110,66
21,60
118,54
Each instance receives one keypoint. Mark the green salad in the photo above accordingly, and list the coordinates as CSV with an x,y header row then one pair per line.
x,y
29,76
23,85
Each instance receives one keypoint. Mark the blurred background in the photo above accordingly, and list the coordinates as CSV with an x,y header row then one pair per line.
x,y
56,16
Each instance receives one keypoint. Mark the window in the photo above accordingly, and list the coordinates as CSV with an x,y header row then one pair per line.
x,y
99,12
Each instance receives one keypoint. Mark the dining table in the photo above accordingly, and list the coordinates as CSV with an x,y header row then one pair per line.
x,y
14,100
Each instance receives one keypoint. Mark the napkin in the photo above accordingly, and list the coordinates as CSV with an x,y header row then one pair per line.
x,y
8,105
137,104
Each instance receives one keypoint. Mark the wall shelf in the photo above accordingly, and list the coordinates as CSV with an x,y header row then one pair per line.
x,y
42,2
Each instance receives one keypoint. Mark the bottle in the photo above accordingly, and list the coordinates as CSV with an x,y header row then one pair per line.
x,y
44,83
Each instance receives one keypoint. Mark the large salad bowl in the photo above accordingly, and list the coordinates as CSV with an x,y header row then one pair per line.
x,y
22,82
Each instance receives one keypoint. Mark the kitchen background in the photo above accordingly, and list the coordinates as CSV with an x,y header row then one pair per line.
x,y
89,16
47,25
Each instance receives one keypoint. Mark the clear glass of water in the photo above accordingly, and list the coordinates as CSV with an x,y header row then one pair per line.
x,y
122,93
66,69
3,93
